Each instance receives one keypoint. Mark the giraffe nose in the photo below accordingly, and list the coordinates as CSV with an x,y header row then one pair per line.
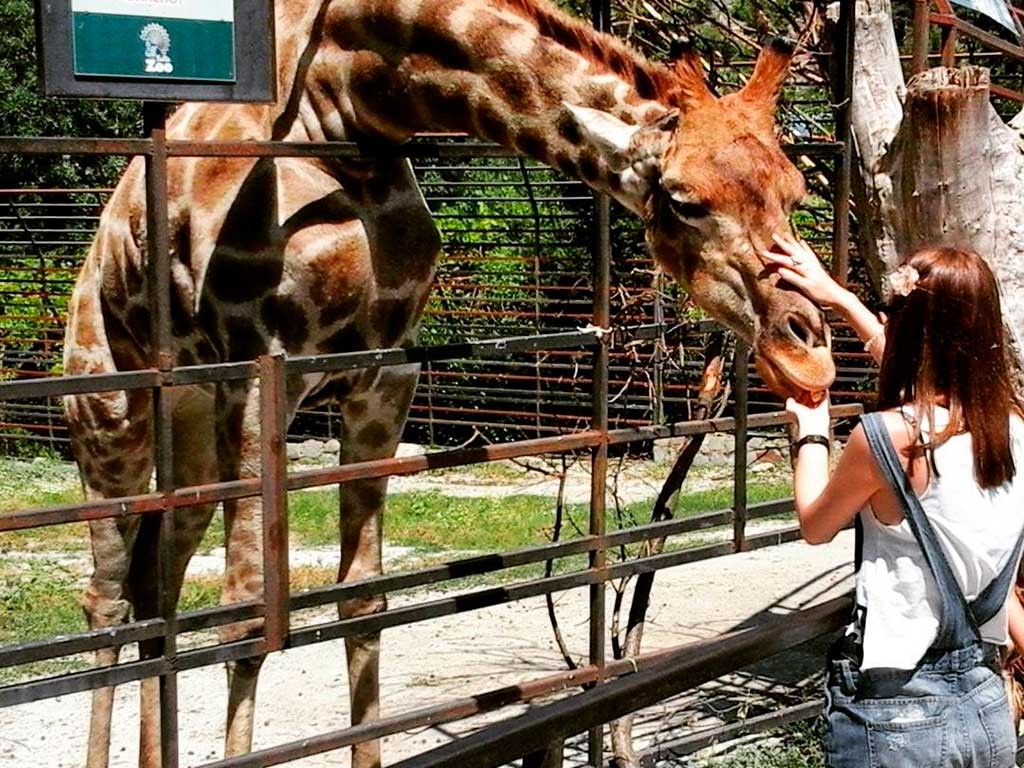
x,y
806,330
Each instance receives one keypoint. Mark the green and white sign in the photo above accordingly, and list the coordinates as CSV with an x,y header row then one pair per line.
x,y
159,39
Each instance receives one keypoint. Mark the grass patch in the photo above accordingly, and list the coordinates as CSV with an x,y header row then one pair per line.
x,y
38,600
41,482
796,746
431,521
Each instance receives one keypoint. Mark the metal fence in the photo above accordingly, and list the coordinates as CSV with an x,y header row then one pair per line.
x,y
597,427
518,239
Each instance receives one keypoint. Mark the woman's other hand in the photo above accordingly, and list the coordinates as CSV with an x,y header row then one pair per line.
x,y
811,419
798,265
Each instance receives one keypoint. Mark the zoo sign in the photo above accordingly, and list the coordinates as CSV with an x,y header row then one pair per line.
x,y
167,50
182,39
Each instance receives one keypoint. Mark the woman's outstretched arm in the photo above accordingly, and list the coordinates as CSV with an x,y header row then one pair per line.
x,y
826,505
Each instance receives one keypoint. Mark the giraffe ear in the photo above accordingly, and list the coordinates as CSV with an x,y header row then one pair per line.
x,y
607,135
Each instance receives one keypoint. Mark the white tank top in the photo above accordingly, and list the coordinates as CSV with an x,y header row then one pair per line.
x,y
977,529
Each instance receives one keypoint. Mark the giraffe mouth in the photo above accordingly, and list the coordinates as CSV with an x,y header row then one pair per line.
x,y
802,374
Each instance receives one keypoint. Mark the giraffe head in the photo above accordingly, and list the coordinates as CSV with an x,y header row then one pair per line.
x,y
712,185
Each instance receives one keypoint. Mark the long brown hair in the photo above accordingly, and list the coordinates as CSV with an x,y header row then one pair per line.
x,y
946,337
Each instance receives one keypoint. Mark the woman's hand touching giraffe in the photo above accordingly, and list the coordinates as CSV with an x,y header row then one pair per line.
x,y
798,265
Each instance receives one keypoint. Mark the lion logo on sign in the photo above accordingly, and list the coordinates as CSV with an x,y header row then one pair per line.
x,y
158,46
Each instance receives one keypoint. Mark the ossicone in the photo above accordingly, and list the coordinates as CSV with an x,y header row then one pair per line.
x,y
691,85
770,71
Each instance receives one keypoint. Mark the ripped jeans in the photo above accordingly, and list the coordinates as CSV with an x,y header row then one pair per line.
x,y
950,711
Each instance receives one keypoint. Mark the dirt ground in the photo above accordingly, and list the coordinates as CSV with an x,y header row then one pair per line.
x,y
304,691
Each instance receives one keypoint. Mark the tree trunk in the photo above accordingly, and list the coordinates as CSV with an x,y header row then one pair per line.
x,y
943,170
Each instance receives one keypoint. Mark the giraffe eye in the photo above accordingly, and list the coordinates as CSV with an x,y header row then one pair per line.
x,y
689,209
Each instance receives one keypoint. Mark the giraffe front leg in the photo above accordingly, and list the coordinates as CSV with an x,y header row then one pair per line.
x,y
243,581
373,426
194,463
239,453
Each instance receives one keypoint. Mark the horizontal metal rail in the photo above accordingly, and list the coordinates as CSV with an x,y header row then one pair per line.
x,y
685,669
191,621
237,489
413,149
24,692
344,361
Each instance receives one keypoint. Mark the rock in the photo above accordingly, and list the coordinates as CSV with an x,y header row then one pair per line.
x,y
312,449
410,449
332,446
294,451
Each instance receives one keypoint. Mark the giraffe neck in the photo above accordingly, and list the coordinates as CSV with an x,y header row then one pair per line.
x,y
501,70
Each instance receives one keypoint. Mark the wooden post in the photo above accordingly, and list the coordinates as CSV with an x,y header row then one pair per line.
x,y
942,185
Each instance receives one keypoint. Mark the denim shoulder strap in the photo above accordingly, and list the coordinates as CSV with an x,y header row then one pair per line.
x,y
957,628
992,598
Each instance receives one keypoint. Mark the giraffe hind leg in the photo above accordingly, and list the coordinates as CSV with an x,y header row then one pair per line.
x,y
109,467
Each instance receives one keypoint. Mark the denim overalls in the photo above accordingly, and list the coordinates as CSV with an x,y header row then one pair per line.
x,y
951,710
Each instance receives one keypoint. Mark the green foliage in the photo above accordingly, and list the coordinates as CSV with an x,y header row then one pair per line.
x,y
37,600
27,113
433,521
795,746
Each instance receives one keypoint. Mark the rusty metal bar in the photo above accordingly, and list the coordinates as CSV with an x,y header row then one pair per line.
x,y
206,618
66,645
954,22
601,18
274,470
948,47
164,557
343,361
236,489
739,479
17,145
483,598
843,164
458,709
21,693
414,149
509,740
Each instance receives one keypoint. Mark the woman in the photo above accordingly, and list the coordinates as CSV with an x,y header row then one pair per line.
x,y
915,680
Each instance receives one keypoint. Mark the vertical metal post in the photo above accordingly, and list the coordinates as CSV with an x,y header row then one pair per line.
x,y
601,10
739,487
275,500
599,456
161,340
949,38
843,51
658,374
919,60
546,758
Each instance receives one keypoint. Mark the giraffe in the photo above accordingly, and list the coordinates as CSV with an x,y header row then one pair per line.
x,y
302,256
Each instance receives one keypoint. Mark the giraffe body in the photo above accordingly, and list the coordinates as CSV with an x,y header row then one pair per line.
x,y
316,256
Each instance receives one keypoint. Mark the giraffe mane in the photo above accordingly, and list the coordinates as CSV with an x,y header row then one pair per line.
x,y
652,81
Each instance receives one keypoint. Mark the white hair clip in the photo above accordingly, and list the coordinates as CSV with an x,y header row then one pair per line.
x,y
902,281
